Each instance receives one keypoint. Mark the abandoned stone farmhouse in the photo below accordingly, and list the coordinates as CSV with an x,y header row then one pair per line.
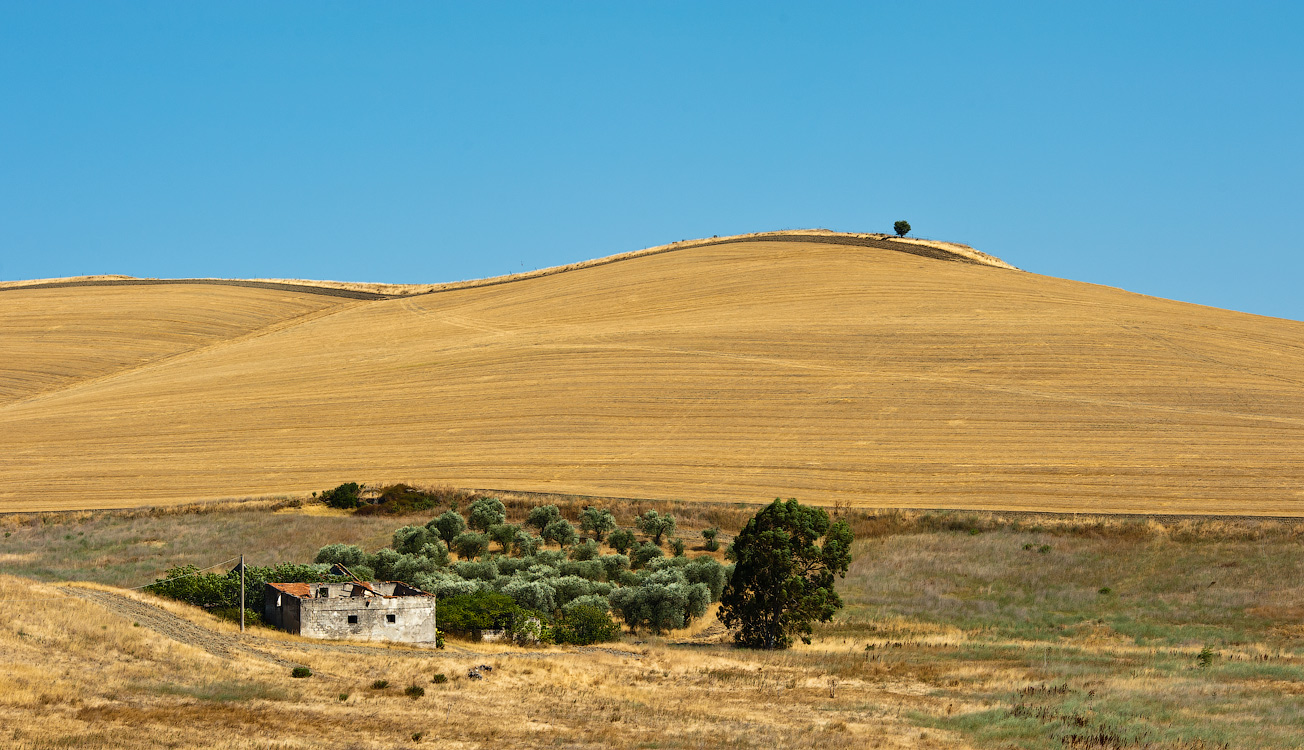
x,y
369,611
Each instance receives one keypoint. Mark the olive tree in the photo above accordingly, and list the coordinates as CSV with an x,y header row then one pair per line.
x,y
621,540
447,526
470,544
559,531
486,512
410,539
540,516
597,521
655,525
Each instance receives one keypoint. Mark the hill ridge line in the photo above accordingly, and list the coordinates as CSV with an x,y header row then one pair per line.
x,y
934,250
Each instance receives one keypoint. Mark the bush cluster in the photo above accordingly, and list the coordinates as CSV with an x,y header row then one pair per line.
x,y
505,576
394,499
220,592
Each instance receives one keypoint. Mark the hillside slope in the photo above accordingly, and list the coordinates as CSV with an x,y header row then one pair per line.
x,y
743,370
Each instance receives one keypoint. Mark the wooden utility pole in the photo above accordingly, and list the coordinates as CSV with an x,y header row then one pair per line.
x,y
242,603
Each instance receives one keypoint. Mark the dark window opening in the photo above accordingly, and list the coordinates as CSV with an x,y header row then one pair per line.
x,y
353,619
389,618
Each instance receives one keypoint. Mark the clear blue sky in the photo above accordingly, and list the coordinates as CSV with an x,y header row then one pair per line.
x,y
1152,146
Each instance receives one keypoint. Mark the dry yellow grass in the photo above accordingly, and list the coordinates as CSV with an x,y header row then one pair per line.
x,y
739,371
73,674
56,338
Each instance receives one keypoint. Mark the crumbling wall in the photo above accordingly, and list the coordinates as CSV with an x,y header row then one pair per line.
x,y
408,619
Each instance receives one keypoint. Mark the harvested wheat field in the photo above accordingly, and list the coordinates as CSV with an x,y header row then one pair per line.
x,y
832,368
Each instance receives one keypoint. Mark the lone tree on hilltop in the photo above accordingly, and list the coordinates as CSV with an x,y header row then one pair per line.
x,y
783,580
902,228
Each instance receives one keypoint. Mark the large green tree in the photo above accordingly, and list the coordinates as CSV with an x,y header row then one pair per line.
x,y
783,579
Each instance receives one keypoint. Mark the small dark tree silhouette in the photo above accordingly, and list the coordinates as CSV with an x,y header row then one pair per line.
x,y
902,228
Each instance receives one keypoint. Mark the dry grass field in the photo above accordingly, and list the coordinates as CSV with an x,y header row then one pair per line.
x,y
961,630
779,366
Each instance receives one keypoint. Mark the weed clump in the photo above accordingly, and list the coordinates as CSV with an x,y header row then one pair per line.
x,y
380,684
414,691
301,672
439,679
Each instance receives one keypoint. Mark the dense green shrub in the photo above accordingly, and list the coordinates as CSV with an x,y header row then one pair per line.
x,y
568,588
389,565
346,496
583,624
482,610
232,614
301,672
414,691
400,499
222,590
677,546
597,601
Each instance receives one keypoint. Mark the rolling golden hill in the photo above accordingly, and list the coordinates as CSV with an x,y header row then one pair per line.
x,y
826,367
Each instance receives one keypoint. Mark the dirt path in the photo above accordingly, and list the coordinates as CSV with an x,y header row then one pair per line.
x,y
178,629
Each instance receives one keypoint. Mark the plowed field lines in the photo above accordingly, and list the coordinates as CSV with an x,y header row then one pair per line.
x,y
725,371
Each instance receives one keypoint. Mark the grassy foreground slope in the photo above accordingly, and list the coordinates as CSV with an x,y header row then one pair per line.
x,y
736,371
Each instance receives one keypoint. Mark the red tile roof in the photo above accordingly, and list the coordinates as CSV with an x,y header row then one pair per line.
x,y
301,590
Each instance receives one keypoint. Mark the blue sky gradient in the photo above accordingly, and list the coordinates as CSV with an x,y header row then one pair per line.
x,y
1151,146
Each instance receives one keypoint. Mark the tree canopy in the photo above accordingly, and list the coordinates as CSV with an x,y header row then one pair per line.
x,y
783,579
